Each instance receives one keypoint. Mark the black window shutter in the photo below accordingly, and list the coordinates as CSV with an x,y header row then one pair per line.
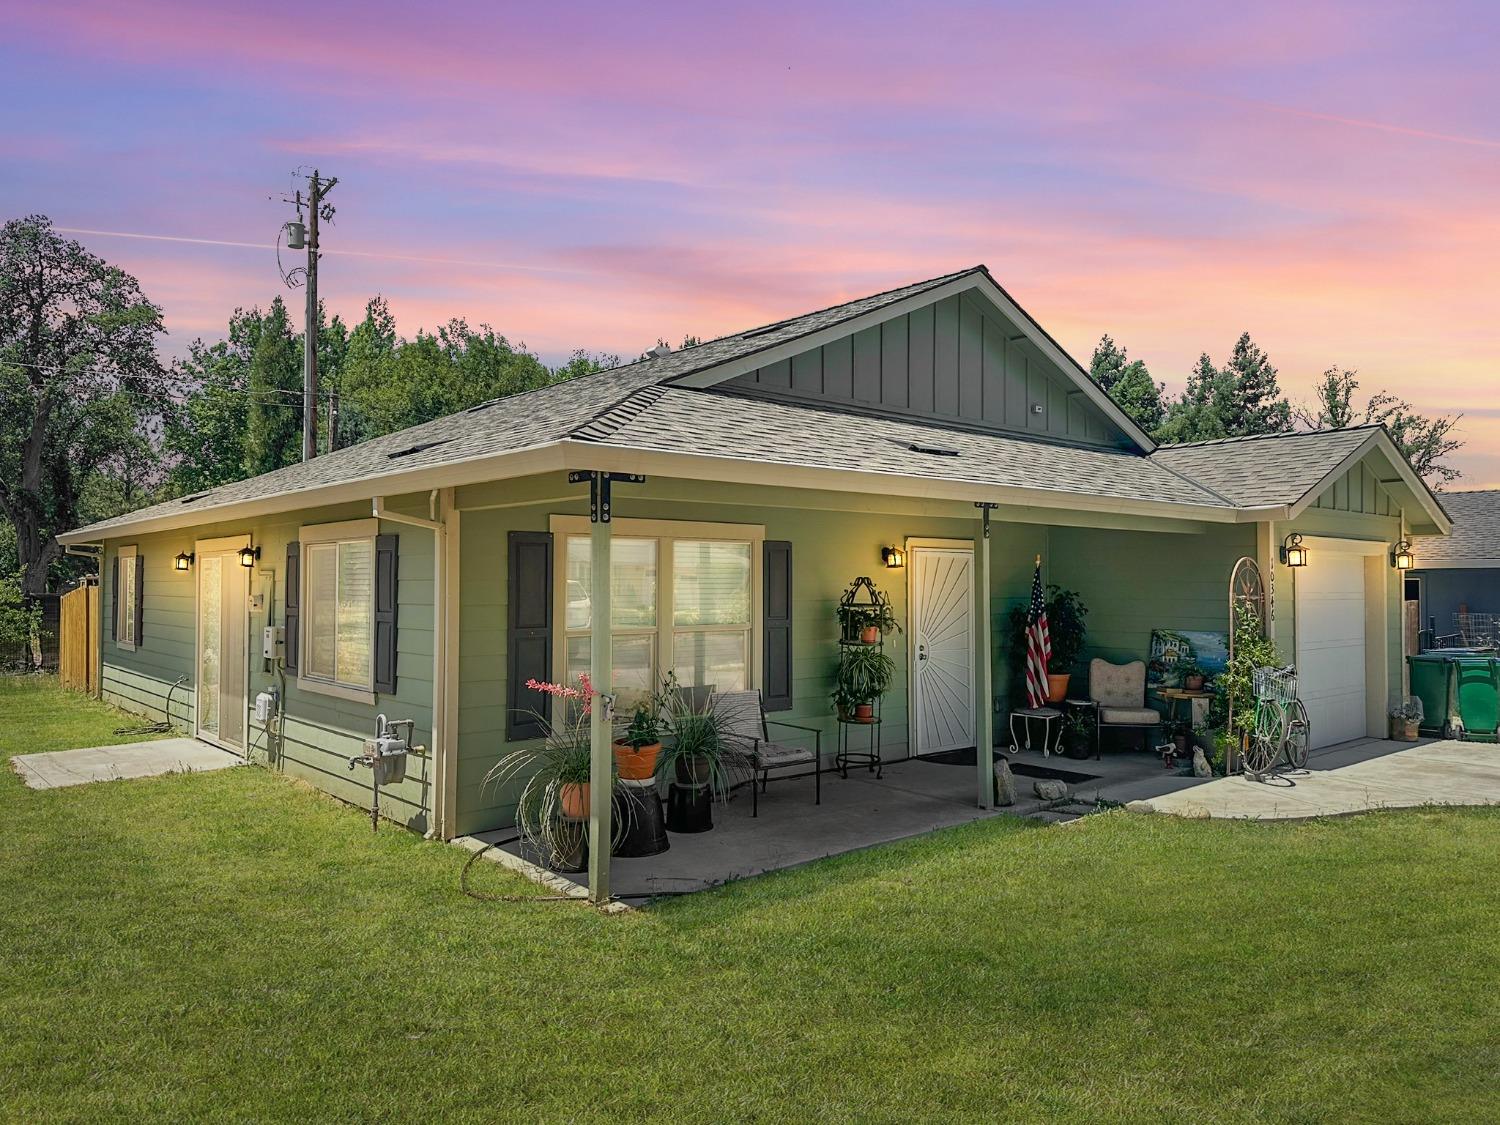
x,y
386,551
776,625
292,599
140,597
529,644
114,600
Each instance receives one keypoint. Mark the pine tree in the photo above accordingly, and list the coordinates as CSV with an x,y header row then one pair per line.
x,y
1256,404
273,434
1129,383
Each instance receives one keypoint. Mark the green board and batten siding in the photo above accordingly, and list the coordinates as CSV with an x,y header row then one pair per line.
x,y
955,361
321,731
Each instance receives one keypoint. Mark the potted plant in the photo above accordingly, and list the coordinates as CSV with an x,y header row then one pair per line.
x,y
552,808
639,745
1406,718
1077,733
1192,675
696,753
864,675
866,621
1065,614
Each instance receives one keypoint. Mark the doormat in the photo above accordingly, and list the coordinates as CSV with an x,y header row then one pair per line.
x,y
968,757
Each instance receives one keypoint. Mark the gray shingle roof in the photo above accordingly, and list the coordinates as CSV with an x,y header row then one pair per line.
x,y
522,421
717,424
1266,469
1476,529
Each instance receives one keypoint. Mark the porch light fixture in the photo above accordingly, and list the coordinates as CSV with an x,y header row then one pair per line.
x,y
1293,553
893,557
1401,557
183,561
248,556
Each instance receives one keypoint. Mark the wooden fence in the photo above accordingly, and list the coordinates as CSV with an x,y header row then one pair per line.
x,y
78,639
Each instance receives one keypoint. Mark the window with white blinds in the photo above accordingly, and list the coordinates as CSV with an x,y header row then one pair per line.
x,y
681,603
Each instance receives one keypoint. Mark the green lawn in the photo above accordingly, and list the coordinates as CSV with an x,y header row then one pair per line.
x,y
233,946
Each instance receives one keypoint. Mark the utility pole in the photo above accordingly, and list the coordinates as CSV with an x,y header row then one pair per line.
x,y
317,189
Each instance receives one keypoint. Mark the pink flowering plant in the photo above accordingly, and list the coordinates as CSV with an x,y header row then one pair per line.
x,y
561,758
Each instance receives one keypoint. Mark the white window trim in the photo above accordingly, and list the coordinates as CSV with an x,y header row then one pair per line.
x,y
122,599
343,531
665,532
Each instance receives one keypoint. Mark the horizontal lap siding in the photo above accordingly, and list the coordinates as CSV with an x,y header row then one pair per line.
x,y
1134,582
321,732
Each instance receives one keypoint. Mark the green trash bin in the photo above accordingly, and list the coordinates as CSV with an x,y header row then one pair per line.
x,y
1477,690
1432,683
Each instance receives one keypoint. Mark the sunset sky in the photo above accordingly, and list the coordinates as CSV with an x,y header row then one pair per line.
x,y
1325,176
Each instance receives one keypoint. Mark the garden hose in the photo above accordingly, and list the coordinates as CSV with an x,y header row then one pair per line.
x,y
165,725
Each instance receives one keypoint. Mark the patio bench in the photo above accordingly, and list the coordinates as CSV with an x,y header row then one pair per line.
x,y
745,730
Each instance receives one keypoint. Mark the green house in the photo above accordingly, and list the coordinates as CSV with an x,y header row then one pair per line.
x,y
428,574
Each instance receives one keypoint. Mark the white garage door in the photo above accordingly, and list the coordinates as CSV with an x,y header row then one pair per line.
x,y
1331,645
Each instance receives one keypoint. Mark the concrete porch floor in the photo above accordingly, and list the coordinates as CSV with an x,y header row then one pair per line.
x,y
914,797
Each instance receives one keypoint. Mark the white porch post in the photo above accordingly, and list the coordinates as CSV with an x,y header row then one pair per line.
x,y
601,672
984,717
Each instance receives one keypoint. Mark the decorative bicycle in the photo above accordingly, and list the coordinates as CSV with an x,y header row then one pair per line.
x,y
1281,731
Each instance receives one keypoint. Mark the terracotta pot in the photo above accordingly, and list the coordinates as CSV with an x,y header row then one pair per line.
x,y
870,634
636,764
1181,742
1193,683
864,712
1057,687
573,799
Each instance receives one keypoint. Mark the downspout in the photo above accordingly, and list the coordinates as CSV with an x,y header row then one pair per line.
x,y
441,814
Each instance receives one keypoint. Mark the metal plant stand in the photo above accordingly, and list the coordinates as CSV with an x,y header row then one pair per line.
x,y
868,757
861,594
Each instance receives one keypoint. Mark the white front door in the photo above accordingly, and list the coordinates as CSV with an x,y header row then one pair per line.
x,y
1330,595
942,647
223,610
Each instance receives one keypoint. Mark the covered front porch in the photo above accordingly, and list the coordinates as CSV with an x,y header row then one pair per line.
x,y
914,797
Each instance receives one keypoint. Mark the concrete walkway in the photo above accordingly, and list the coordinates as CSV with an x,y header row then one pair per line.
x,y
1357,778
58,768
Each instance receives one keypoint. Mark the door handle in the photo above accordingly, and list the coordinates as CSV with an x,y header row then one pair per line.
x,y
921,652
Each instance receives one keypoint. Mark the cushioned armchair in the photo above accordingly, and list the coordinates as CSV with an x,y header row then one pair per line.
x,y
1120,692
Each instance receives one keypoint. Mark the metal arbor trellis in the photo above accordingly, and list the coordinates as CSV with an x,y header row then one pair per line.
x,y
1247,590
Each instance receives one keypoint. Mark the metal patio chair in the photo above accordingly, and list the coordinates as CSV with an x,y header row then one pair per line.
x,y
745,730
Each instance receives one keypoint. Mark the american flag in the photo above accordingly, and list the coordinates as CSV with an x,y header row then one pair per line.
x,y
1038,642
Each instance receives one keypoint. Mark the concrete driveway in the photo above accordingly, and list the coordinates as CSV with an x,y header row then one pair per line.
x,y
1358,777
58,768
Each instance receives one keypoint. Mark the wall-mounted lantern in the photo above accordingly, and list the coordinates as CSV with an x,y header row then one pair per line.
x,y
893,557
1293,553
248,556
183,561
1401,557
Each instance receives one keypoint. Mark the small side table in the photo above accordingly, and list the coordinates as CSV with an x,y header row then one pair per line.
x,y
1051,720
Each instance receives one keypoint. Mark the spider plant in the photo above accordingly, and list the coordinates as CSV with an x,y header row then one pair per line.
x,y
696,750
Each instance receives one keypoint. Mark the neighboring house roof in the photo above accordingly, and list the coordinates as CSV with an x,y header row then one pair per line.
x,y
1475,539
1296,467
672,406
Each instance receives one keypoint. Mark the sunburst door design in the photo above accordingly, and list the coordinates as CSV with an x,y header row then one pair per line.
x,y
942,626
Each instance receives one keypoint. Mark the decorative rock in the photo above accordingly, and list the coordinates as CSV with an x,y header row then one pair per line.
x,y
1139,807
1201,768
1050,790
1005,783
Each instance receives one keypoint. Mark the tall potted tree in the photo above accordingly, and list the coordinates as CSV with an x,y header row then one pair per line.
x,y
1065,626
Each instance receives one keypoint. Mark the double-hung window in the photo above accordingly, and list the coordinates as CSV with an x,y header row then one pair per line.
x,y
338,607
683,597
